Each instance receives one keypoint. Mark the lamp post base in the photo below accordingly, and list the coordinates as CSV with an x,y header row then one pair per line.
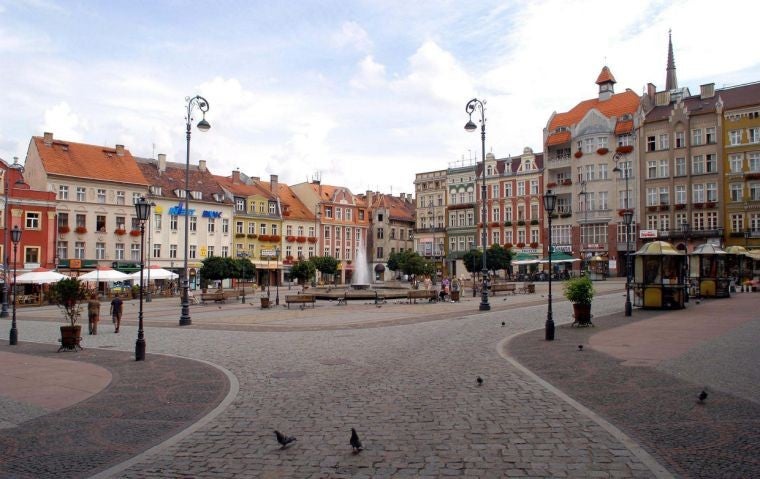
x,y
549,329
484,306
628,308
13,340
140,350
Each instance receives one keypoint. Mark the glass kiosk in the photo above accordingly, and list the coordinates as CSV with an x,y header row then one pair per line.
x,y
707,267
598,268
659,276
738,264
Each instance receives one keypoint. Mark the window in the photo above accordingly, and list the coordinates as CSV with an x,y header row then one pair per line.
x,y
664,222
134,252
588,145
698,221
211,228
100,223
710,134
680,139
754,191
339,213
272,208
119,251
602,204
135,224
136,197
711,163
680,167
79,250
712,192
508,189
173,222
32,221
754,162
380,233
736,191
664,170
521,188
225,251
349,215
173,251
209,251
494,191
651,169
664,196
193,224
120,197
63,192
120,223
379,252
240,204
698,193
81,193
157,250
735,163
734,137
680,194
651,222
652,197
274,230
601,142
327,232
32,255
63,220
753,135
157,221
624,140
328,212
664,141
737,223
561,234
697,164
252,228
696,136
680,220
603,171
589,172
651,143
193,251
62,250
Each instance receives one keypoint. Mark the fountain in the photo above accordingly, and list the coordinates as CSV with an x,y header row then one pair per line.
x,y
360,278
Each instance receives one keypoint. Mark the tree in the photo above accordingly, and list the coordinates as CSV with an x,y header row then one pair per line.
x,y
473,261
498,257
397,261
216,268
325,264
244,269
303,271
68,294
417,265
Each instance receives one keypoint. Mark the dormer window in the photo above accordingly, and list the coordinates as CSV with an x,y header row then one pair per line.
x,y
179,193
196,195
155,190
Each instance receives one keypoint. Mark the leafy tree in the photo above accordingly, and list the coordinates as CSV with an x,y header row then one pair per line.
x,y
498,257
215,268
303,271
68,294
417,265
325,264
473,260
243,269
397,260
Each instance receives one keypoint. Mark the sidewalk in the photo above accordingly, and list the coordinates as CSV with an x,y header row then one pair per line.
x,y
643,375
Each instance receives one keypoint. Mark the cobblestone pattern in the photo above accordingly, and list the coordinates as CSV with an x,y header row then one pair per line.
x,y
146,403
720,438
410,392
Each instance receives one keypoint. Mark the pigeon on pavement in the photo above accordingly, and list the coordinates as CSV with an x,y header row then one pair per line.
x,y
479,380
702,396
356,443
283,439
580,347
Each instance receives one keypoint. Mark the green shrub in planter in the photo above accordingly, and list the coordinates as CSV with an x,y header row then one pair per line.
x,y
579,290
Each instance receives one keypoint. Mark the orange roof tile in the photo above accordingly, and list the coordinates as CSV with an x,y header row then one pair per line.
x,y
558,138
624,127
617,106
66,158
605,76
294,206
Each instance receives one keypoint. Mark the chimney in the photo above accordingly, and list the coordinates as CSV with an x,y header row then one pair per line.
x,y
707,90
161,162
651,90
48,139
273,183
236,176
202,165
119,150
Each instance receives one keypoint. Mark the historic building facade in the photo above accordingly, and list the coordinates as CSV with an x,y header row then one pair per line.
x,y
430,231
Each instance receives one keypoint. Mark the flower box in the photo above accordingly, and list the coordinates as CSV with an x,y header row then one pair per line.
x,y
263,237
521,245
290,239
602,151
752,176
699,205
521,223
554,216
681,206
664,207
253,236
710,204
508,245
625,149
301,239
312,239
534,245
495,224
120,231
651,208
134,233
534,222
578,154
80,230
565,215
239,235
507,223
551,184
63,229
567,182
275,238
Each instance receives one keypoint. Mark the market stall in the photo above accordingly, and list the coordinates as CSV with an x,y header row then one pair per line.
x,y
659,276
707,268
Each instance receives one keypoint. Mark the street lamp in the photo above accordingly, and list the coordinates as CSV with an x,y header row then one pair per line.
x,y
472,248
585,194
203,125
148,295
15,237
624,172
6,221
628,218
470,108
142,208
276,277
747,234
550,201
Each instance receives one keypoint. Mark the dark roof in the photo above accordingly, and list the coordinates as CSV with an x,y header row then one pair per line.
x,y
173,178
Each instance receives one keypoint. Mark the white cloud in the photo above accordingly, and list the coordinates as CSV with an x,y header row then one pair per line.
x,y
64,123
371,74
352,35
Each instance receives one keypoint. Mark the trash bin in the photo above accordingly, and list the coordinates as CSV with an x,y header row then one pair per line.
x,y
455,295
264,303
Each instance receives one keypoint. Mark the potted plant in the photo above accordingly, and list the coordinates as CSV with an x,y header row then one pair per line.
x,y
624,149
63,229
68,294
602,151
580,292
80,230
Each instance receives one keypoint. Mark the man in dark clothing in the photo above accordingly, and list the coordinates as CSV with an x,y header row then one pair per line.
x,y
117,305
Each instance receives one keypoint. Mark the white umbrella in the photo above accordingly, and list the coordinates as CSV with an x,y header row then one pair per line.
x,y
40,276
107,274
155,272
525,261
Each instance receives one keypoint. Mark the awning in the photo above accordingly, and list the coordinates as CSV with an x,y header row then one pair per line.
x,y
379,268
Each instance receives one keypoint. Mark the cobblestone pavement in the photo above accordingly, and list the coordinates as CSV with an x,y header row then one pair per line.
x,y
146,403
408,388
656,404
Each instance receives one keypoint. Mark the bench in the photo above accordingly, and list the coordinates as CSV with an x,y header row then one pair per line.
x,y
415,294
301,299
527,288
219,296
361,294
507,287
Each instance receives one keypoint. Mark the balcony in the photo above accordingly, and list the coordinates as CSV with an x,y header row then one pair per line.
x,y
593,215
691,234
558,161
431,230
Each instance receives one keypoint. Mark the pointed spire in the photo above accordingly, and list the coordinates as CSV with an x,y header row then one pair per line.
x,y
671,82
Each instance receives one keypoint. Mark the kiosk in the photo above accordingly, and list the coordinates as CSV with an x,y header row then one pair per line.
x,y
707,267
738,264
659,276
598,268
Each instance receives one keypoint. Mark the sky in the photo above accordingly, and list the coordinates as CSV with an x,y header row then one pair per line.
x,y
362,94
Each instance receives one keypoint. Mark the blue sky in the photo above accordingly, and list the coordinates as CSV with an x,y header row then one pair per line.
x,y
365,93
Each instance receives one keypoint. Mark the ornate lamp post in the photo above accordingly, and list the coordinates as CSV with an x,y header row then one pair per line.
x,y
628,218
148,294
550,201
6,222
472,105
747,234
15,237
203,125
276,277
472,248
142,208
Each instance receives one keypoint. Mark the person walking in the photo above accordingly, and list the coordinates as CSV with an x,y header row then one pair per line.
x,y
93,313
117,306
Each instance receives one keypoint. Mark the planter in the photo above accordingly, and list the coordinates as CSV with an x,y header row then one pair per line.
x,y
582,314
578,154
63,230
624,149
80,230
71,336
567,182
134,233
602,151
264,303
551,184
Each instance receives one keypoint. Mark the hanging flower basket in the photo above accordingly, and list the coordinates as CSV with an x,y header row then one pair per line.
x,y
551,184
301,239
625,149
602,151
80,230
290,239
312,239
120,231
63,229
578,154
134,233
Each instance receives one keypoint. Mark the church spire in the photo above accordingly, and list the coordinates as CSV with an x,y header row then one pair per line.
x,y
671,82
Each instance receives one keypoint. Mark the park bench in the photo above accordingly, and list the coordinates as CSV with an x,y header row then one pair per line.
x,y
415,294
527,288
219,296
507,287
301,299
361,294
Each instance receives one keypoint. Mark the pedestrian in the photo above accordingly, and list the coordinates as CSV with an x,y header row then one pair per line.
x,y
93,313
117,306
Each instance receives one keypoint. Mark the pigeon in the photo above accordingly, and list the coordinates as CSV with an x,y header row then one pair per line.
x,y
580,347
283,439
702,396
355,442
503,323
479,380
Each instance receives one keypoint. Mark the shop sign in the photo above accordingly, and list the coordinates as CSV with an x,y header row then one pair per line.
x,y
648,234
179,210
565,248
211,214
596,246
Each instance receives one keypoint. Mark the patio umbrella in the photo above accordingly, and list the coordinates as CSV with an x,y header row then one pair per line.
x,y
155,272
105,274
525,261
40,276
560,257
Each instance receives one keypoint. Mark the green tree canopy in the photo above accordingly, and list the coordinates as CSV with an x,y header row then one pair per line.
x,y
303,271
498,257
215,268
473,260
396,261
243,269
325,264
